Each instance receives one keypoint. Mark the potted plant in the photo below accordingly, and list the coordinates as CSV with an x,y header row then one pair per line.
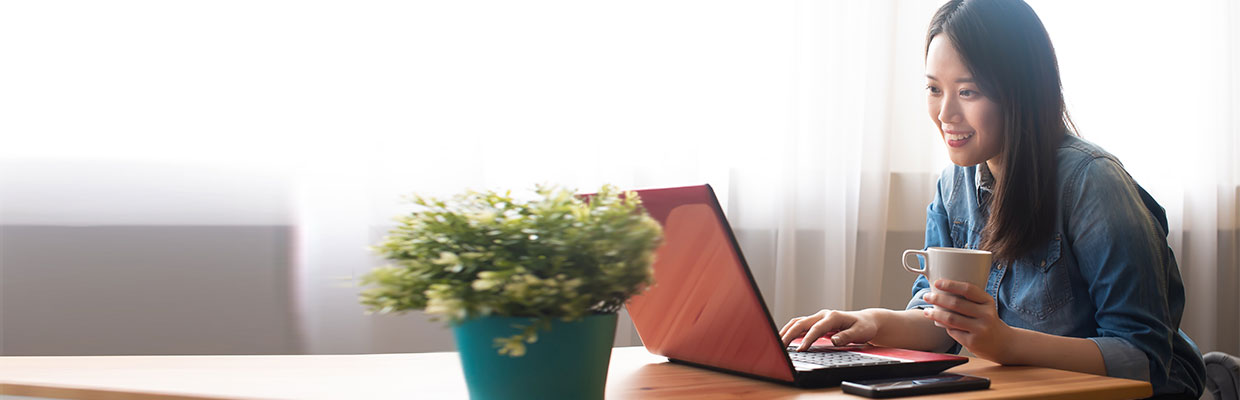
x,y
530,287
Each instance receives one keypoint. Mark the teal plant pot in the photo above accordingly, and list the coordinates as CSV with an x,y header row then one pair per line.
x,y
568,362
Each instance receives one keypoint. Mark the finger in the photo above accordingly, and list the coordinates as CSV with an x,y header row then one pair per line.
x,y
797,329
950,320
789,325
964,289
955,304
849,336
827,325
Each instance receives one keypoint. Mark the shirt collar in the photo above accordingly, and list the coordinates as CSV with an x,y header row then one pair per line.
x,y
984,181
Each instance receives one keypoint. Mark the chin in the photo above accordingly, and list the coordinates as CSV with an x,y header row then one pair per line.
x,y
963,160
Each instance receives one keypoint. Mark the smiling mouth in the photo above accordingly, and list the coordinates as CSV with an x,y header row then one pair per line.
x,y
959,136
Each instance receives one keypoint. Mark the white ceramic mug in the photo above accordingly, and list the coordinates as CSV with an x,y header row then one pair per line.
x,y
965,265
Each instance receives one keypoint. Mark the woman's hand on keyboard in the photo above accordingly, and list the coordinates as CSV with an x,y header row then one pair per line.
x,y
849,327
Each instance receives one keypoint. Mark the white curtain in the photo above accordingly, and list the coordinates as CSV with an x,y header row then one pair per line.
x,y
808,118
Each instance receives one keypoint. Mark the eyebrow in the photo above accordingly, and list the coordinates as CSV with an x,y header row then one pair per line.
x,y
961,80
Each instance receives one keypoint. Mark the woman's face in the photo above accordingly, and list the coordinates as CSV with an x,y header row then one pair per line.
x,y
969,122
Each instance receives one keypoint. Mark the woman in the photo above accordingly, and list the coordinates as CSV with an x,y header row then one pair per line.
x,y
1084,279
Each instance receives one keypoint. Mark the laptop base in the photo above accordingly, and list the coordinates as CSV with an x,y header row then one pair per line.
x,y
831,377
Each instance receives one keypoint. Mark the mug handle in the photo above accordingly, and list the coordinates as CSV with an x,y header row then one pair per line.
x,y
904,260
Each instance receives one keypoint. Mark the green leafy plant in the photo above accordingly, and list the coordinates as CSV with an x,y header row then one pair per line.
x,y
486,253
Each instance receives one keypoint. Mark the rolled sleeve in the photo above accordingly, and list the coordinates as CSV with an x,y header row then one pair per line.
x,y
920,289
1122,359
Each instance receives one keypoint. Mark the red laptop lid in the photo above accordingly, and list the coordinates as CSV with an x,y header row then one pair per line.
x,y
704,307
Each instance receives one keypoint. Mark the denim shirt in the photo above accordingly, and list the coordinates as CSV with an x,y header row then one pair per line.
x,y
1106,273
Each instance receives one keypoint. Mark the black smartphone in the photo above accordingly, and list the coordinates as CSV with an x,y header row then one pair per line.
x,y
899,387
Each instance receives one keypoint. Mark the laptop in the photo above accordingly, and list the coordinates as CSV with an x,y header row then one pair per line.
x,y
705,310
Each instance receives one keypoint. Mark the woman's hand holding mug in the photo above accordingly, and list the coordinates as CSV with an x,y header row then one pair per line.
x,y
961,306
971,318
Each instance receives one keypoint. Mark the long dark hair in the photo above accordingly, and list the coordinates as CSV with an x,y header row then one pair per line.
x,y
1009,54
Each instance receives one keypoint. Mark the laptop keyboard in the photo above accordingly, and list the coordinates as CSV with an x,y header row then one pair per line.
x,y
839,358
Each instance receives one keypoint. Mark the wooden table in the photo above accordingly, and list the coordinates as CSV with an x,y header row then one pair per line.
x,y
633,374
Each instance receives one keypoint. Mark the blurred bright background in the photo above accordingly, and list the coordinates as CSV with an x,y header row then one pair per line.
x,y
205,177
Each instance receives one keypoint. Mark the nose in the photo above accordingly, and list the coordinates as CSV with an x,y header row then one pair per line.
x,y
949,110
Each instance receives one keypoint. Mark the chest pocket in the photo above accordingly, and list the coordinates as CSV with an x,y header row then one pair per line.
x,y
1040,283
964,236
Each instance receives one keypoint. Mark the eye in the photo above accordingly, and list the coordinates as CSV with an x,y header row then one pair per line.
x,y
966,93
933,90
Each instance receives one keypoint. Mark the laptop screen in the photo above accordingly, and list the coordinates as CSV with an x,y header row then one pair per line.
x,y
704,307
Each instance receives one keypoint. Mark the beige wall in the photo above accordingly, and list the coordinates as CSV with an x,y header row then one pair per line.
x,y
145,290
169,289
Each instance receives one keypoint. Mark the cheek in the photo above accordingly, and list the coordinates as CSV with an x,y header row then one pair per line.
x,y
989,122
992,120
